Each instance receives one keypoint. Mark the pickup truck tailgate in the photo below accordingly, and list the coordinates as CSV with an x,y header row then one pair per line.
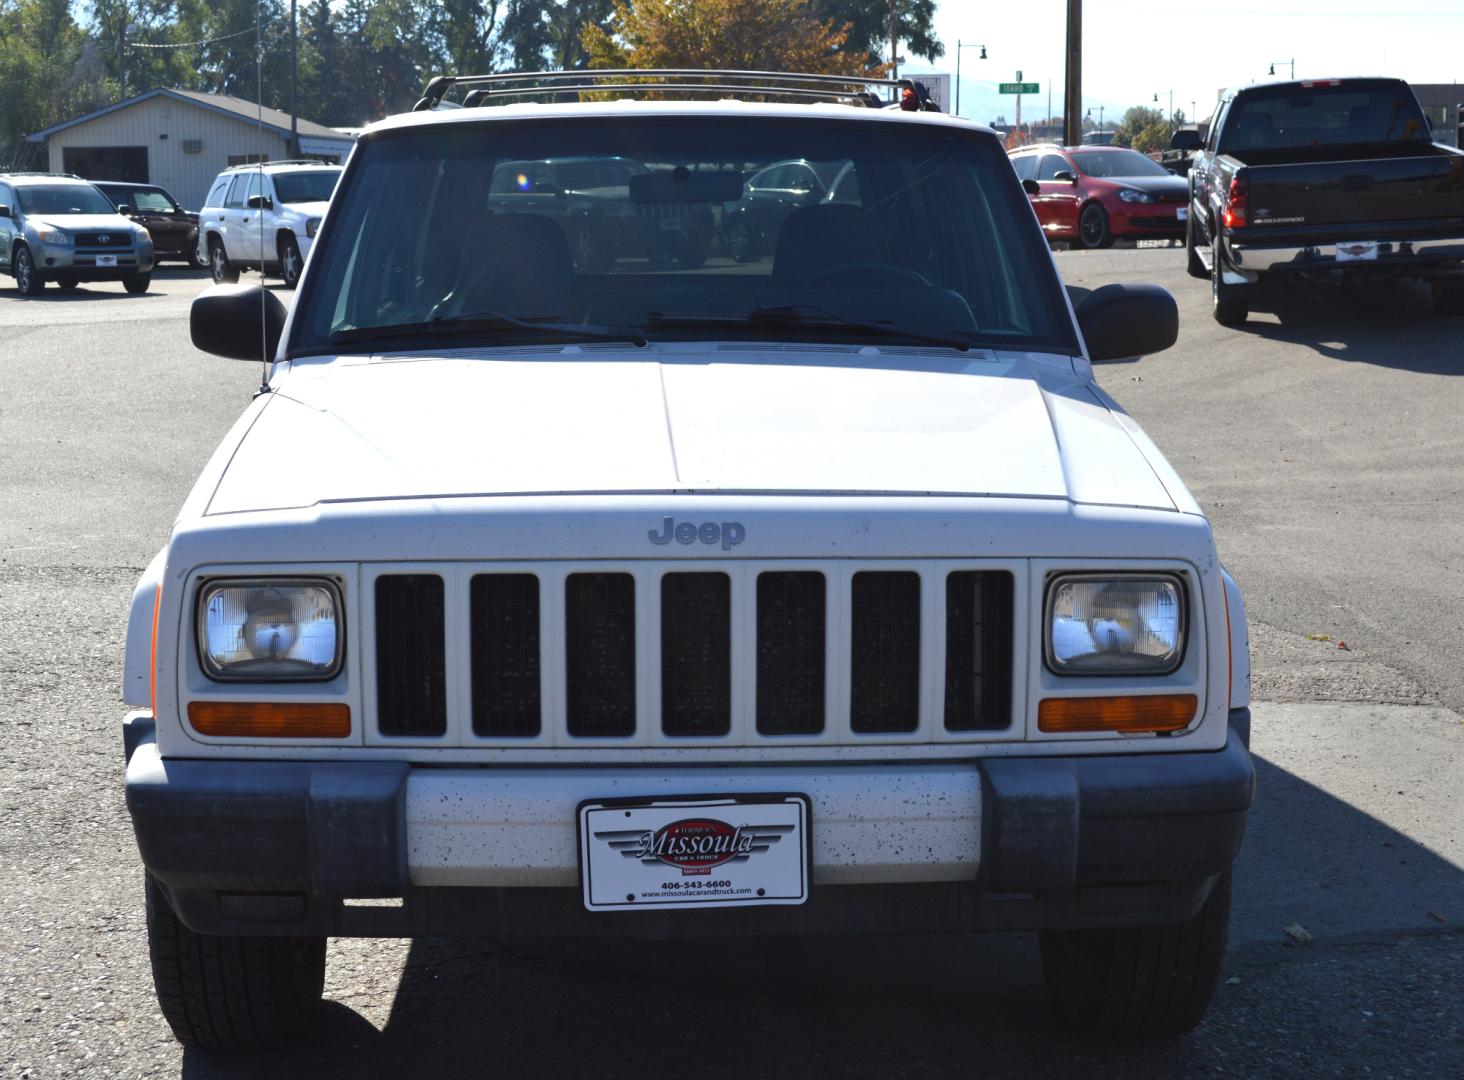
x,y
1359,193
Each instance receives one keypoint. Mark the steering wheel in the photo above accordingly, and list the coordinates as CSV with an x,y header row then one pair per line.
x,y
897,273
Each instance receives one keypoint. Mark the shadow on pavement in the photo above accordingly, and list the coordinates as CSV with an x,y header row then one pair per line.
x,y
1388,323
877,1007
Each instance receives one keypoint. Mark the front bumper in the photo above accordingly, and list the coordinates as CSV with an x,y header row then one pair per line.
x,y
251,847
54,260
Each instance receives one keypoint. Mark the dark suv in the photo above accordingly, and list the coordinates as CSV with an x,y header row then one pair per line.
x,y
174,230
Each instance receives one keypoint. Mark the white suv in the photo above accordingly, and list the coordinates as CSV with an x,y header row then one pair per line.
x,y
822,591
264,217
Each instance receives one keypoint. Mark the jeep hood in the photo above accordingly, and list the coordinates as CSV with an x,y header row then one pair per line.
x,y
775,420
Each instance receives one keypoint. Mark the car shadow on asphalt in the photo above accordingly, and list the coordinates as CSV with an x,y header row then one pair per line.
x,y
877,1007
1390,323
104,290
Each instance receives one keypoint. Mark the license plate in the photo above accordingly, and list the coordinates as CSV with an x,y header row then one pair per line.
x,y
704,852
1182,213
1361,251
106,260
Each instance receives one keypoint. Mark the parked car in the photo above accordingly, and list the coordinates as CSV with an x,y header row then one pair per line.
x,y
750,226
56,227
833,593
264,217
1094,195
1334,178
174,230
591,199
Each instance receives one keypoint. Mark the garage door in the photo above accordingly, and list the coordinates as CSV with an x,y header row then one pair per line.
x,y
124,163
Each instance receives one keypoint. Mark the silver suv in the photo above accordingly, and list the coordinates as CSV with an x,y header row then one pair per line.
x,y
264,217
60,228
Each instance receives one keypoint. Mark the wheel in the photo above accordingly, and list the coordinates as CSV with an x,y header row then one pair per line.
x,y
218,262
1139,982
1231,303
740,243
137,284
27,278
67,282
1193,263
290,262
195,262
1093,230
1448,297
221,992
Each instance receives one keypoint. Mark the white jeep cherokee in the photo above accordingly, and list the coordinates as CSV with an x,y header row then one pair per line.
x,y
826,591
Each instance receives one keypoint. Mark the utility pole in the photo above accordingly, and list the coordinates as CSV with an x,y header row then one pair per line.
x,y
1072,110
294,84
894,41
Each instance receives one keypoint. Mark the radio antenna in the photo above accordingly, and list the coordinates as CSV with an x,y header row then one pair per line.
x,y
259,107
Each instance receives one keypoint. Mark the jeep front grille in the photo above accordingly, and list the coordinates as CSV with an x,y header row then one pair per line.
x,y
693,654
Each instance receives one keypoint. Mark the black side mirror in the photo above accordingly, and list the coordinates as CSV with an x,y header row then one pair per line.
x,y
1119,321
1031,187
225,320
125,209
261,202
1185,139
4,210
1065,176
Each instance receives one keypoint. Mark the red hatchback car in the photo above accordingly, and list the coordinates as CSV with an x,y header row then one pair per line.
x,y
1093,195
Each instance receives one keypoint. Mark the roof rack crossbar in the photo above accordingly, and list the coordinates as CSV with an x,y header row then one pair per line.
x,y
476,96
592,79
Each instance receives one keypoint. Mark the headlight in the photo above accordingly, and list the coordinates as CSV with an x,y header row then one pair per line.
x,y
1130,195
54,236
270,630
312,226
1115,625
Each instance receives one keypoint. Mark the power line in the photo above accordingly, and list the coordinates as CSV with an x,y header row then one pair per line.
x,y
189,44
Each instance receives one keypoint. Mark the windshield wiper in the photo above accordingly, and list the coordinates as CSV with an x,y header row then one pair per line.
x,y
479,322
807,316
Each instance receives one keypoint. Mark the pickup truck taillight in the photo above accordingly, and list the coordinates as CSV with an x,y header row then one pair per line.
x,y
1235,203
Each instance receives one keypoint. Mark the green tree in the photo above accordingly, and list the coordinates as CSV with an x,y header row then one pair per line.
x,y
868,26
1135,121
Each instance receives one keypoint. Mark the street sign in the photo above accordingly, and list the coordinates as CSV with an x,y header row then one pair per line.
x,y
1017,87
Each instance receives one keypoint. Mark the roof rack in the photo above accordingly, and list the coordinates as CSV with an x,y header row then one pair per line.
x,y
847,89
282,161
40,172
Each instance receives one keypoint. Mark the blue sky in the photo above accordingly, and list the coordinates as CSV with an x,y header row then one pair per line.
x,y
1133,50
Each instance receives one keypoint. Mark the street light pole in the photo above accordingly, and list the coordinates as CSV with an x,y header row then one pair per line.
x,y
294,85
1290,62
959,46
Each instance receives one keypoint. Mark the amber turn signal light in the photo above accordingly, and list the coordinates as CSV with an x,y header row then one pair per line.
x,y
271,719
1159,712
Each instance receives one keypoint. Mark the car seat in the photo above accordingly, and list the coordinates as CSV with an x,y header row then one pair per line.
x,y
519,265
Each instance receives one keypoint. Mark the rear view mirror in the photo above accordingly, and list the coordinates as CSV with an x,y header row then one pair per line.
x,y
1031,187
1185,139
225,321
1120,321
683,185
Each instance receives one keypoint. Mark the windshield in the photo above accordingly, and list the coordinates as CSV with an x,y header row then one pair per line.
x,y
1105,164
143,200
300,187
62,199
1350,112
924,235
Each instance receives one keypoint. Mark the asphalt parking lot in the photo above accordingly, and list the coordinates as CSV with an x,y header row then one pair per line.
x,y
1323,439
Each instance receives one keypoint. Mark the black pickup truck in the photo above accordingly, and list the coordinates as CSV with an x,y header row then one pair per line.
x,y
1330,178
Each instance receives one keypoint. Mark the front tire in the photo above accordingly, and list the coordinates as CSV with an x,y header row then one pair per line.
x,y
740,243
195,262
67,282
224,273
222,992
136,284
1139,982
1230,303
1093,228
290,262
27,278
